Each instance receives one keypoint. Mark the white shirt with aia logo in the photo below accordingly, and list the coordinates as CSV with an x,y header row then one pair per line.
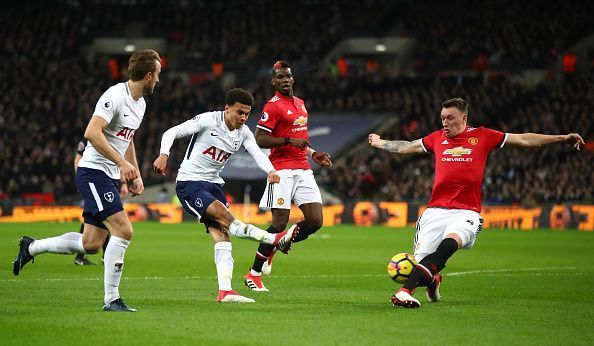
x,y
211,146
124,115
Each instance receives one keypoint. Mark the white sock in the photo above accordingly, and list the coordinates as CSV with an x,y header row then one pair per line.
x,y
255,273
114,264
67,243
251,232
224,262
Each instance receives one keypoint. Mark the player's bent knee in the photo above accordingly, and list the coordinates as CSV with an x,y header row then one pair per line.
x,y
92,247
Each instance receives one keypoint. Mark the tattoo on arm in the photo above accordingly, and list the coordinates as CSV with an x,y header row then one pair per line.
x,y
394,146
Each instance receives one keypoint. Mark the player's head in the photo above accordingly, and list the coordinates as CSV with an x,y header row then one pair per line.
x,y
282,78
238,104
454,114
145,65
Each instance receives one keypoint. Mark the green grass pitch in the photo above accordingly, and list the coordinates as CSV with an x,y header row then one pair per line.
x,y
514,287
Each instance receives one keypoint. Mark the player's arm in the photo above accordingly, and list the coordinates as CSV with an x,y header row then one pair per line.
x,y
534,140
249,143
94,134
77,158
265,140
136,186
320,157
182,130
396,147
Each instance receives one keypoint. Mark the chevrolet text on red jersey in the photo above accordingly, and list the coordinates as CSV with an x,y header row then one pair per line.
x,y
286,117
460,166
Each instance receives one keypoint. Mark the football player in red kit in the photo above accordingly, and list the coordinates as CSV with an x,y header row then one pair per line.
x,y
283,128
451,220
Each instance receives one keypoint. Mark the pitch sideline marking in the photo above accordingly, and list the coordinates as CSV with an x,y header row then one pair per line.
x,y
506,271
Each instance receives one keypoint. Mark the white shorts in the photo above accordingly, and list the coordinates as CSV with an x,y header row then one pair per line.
x,y
297,185
435,223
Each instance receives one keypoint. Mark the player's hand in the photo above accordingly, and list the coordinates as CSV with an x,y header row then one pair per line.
x,y
576,140
127,171
124,190
300,143
136,186
273,177
375,140
322,159
160,164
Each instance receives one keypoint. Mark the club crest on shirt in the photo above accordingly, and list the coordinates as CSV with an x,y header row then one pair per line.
x,y
473,140
198,203
107,105
108,196
264,116
280,201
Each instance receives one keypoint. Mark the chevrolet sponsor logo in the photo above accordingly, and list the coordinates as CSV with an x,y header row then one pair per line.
x,y
457,151
301,121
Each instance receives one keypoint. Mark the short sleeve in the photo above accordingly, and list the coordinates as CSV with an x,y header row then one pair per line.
x,y
107,105
268,119
494,138
428,142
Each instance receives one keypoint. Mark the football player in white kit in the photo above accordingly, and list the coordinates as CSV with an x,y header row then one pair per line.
x,y
108,160
215,137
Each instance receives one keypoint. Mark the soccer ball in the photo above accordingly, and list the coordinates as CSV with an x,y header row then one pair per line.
x,y
400,267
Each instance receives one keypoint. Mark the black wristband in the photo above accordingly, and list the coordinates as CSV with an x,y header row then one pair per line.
x,y
287,140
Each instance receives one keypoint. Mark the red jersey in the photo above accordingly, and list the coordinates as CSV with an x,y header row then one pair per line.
x,y
460,166
286,117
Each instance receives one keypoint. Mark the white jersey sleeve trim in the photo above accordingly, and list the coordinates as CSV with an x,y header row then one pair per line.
x,y
423,145
504,140
264,128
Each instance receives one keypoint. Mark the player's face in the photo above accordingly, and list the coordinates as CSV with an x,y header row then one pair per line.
x,y
236,115
283,81
453,121
152,79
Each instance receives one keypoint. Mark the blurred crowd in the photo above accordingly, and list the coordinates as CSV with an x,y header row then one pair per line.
x,y
48,87
505,34
555,173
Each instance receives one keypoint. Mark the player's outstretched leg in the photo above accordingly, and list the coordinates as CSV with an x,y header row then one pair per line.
x,y
282,241
426,273
67,243
24,256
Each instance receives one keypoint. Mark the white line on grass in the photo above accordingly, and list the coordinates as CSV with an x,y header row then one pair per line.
x,y
541,271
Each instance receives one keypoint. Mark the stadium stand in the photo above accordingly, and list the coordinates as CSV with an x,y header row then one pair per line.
x,y
49,85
